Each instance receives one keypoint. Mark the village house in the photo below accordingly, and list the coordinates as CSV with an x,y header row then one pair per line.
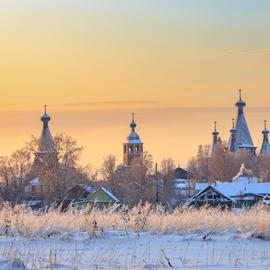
x,y
244,190
101,198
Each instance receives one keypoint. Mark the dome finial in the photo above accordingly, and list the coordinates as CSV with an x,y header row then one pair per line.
x,y
265,131
233,124
215,125
45,118
133,123
240,103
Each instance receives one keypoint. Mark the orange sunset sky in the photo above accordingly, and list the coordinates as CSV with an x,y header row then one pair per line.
x,y
176,64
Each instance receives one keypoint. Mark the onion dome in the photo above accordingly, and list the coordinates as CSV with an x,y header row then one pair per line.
x,y
215,134
240,104
46,143
232,144
45,117
133,137
265,149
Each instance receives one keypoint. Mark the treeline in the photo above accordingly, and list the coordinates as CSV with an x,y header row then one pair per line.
x,y
224,165
131,184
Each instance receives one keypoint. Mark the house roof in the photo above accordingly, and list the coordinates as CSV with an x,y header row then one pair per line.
x,y
236,189
206,189
107,192
35,181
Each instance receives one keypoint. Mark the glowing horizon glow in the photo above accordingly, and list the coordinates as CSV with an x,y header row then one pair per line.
x,y
94,62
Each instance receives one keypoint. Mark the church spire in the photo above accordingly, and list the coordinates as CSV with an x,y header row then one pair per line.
x,y
232,144
244,139
46,144
265,149
215,134
133,146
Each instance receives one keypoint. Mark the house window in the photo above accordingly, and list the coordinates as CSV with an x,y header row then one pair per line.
x,y
45,189
38,189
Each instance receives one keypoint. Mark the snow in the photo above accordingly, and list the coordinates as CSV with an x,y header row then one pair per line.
x,y
34,182
116,249
110,194
238,188
11,264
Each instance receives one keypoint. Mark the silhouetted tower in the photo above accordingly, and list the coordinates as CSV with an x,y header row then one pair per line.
x,y
243,136
46,152
265,149
232,144
215,140
133,147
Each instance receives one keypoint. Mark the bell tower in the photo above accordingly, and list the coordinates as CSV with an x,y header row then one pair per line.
x,y
46,152
133,146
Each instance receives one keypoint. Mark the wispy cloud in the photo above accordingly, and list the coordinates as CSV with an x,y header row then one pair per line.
x,y
243,51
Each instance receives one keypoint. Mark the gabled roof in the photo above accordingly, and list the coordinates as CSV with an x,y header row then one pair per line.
x,y
236,189
193,198
97,196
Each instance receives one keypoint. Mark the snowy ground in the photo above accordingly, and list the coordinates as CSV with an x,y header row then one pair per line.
x,y
116,250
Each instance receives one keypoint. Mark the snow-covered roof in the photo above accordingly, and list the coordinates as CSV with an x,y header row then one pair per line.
x,y
189,201
265,148
110,194
244,139
245,175
133,137
236,189
35,182
181,183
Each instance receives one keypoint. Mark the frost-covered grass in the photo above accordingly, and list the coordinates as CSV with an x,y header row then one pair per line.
x,y
20,221
144,237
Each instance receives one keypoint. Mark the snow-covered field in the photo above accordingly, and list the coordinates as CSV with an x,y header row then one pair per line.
x,y
116,250
142,238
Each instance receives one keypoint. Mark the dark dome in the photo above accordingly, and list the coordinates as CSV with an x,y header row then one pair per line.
x,y
45,118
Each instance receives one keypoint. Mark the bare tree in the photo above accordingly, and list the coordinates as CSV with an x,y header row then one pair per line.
x,y
224,165
167,167
60,170
108,171
136,182
199,165
13,176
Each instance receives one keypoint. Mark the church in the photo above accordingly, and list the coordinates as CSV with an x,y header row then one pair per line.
x,y
240,137
133,146
45,159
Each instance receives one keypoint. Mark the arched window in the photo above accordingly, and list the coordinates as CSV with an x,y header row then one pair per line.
x,y
130,149
125,148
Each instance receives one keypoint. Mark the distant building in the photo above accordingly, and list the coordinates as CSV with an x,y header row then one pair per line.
x,y
75,194
240,136
244,190
265,148
182,186
40,186
133,146
102,197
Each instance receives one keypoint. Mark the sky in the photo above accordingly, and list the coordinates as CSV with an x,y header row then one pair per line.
x,y
176,64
